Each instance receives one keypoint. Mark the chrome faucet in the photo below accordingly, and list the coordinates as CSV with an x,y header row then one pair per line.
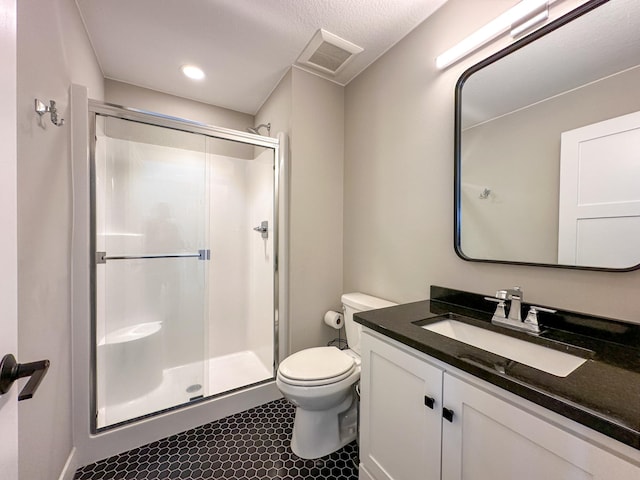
x,y
516,296
514,319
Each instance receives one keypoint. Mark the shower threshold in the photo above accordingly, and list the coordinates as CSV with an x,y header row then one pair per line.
x,y
179,386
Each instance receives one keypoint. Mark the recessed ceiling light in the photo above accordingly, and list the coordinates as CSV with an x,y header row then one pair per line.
x,y
192,72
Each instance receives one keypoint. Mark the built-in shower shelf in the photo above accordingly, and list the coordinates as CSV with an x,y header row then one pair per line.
x,y
131,333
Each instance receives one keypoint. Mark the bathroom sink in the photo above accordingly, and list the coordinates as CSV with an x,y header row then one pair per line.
x,y
537,356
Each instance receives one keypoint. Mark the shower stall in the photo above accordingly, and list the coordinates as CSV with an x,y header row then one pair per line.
x,y
185,292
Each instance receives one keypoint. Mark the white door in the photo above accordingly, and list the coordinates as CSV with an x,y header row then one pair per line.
x,y
599,214
8,235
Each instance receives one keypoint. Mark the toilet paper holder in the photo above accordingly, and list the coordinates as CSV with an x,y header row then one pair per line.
x,y
333,319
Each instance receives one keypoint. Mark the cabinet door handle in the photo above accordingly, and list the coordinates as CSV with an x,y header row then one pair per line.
x,y
10,371
447,414
429,401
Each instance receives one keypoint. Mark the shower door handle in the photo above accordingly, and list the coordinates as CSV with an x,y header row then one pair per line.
x,y
102,257
263,228
11,370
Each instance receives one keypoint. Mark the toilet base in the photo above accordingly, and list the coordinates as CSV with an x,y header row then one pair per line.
x,y
319,433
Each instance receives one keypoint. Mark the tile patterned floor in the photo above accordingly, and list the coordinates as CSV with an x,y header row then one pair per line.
x,y
250,445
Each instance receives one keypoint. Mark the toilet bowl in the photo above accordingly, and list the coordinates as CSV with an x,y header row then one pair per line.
x,y
320,382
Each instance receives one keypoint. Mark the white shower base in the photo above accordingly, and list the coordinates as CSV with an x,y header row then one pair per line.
x,y
225,373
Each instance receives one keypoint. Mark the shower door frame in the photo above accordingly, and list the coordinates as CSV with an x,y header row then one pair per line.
x,y
155,119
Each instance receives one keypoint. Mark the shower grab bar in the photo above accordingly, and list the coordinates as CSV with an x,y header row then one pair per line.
x,y
101,257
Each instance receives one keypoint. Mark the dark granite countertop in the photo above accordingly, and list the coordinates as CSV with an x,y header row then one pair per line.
x,y
603,393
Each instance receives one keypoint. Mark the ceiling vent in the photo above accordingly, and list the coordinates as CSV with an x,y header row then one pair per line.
x,y
328,52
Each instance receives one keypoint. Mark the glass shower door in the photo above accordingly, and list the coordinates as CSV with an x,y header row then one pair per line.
x,y
151,233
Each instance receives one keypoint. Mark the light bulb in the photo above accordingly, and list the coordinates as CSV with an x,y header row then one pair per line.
x,y
193,72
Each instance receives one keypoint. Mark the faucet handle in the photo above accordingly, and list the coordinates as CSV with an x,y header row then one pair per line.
x,y
532,317
533,309
500,308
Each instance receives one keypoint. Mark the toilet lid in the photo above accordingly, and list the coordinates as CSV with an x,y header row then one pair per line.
x,y
319,363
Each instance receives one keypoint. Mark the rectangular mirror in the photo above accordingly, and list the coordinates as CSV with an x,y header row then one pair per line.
x,y
547,145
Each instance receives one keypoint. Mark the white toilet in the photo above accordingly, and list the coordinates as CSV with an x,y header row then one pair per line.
x,y
320,383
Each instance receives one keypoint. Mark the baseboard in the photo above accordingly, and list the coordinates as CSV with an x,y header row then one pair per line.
x,y
363,474
70,466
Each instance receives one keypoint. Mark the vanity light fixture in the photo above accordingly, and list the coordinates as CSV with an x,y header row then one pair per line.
x,y
193,72
517,19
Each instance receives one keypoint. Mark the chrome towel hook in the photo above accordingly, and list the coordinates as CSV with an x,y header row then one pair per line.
x,y
41,109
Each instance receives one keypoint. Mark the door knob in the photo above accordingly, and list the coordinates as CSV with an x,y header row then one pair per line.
x,y
11,370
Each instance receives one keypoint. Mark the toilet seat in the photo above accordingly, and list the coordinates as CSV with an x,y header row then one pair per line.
x,y
316,366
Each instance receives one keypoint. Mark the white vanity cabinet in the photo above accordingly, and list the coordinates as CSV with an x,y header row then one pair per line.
x,y
400,414
490,436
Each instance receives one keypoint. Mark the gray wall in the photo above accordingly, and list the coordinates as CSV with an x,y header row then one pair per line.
x,y
277,111
278,107
315,108
398,211
53,52
316,206
9,232
395,122
128,95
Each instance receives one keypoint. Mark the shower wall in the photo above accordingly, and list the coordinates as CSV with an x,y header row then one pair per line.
x,y
241,266
261,262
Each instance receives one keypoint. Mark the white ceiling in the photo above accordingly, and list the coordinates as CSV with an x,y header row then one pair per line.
x,y
597,45
244,46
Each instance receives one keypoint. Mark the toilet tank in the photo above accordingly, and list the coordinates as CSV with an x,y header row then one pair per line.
x,y
358,302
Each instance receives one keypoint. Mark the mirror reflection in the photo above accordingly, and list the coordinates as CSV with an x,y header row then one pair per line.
x,y
548,139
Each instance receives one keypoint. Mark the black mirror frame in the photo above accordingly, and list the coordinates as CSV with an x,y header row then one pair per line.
x,y
457,205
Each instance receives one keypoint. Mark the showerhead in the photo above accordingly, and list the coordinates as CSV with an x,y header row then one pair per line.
x,y
256,130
